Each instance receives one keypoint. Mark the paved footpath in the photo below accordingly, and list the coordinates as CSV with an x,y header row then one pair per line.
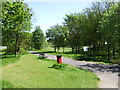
x,y
108,74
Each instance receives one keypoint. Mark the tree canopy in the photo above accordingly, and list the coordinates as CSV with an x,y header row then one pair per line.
x,y
93,28
16,19
38,38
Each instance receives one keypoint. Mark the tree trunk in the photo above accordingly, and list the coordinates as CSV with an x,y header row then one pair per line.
x,y
99,48
94,51
63,49
72,50
55,49
15,50
108,52
76,49
16,45
114,53
58,48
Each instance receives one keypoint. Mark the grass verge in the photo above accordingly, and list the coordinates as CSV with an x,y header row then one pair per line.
x,y
9,59
32,72
78,57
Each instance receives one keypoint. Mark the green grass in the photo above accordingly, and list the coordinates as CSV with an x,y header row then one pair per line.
x,y
32,72
72,56
67,54
8,59
49,48
6,84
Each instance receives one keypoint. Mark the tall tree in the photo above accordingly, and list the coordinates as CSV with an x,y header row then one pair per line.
x,y
75,25
38,38
26,41
57,36
110,25
94,15
16,19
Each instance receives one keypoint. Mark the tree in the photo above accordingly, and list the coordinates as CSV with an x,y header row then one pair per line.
x,y
26,41
57,36
84,28
75,24
16,19
110,28
38,38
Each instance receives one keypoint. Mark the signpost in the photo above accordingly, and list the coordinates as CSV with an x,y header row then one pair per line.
x,y
3,47
85,48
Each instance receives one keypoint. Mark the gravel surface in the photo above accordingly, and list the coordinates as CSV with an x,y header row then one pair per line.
x,y
108,74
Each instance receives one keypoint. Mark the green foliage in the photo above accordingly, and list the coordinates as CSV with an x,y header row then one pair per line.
x,y
16,19
92,27
26,41
38,38
57,36
110,28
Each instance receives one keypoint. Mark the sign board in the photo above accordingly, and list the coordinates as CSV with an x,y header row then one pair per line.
x,y
85,48
3,47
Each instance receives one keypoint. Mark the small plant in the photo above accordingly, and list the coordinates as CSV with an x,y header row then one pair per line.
x,y
59,66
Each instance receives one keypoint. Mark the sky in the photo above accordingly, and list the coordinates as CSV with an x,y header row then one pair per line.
x,y
47,14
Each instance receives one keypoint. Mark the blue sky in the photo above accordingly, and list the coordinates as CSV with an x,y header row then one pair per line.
x,y
47,14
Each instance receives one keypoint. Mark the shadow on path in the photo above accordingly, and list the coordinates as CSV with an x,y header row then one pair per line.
x,y
36,52
40,52
100,68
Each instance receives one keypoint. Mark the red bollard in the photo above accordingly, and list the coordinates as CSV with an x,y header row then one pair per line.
x,y
59,59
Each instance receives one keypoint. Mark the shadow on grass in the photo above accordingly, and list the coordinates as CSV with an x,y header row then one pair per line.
x,y
44,59
43,52
7,56
6,84
57,66
97,59
9,59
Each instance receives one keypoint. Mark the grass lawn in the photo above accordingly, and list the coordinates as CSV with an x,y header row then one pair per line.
x,y
32,72
67,54
50,51
73,56
8,59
